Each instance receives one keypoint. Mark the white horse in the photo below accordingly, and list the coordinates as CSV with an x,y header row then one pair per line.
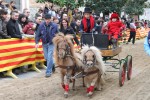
x,y
94,68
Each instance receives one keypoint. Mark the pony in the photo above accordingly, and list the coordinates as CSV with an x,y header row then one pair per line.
x,y
66,59
94,68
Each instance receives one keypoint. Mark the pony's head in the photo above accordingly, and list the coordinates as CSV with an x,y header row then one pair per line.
x,y
92,57
63,49
89,58
62,45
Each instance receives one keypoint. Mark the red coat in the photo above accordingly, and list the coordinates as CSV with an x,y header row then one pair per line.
x,y
28,29
115,28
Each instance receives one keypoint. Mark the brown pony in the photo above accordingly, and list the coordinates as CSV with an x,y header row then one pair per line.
x,y
94,68
65,59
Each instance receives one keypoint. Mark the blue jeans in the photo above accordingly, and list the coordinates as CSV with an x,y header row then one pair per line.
x,y
48,55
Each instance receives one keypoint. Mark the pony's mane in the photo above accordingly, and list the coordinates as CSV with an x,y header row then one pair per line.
x,y
97,53
60,37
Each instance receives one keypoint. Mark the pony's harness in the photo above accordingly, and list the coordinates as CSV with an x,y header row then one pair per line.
x,y
84,74
90,73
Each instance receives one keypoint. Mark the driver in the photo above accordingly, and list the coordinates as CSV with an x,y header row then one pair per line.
x,y
88,23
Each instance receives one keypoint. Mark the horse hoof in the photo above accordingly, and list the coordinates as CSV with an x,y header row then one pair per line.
x,y
73,89
90,94
66,95
98,89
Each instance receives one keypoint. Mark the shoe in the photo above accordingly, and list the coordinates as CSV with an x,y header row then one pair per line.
x,y
53,69
48,75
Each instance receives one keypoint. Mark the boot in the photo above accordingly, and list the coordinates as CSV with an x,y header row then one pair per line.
x,y
114,43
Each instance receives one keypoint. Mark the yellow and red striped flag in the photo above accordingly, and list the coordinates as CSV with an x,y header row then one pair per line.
x,y
19,52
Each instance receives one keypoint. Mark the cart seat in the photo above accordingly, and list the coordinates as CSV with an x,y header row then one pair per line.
x,y
111,52
101,41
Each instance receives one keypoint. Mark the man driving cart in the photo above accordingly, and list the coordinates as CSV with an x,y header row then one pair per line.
x,y
88,22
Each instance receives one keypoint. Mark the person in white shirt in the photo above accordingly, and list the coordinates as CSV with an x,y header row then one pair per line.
x,y
132,32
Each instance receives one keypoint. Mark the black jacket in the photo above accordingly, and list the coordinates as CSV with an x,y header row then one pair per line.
x,y
13,29
70,30
75,27
3,29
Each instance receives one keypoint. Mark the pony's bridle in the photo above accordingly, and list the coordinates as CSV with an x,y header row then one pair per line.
x,y
67,49
85,60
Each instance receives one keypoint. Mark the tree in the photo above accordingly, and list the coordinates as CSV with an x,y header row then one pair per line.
x,y
68,3
106,6
135,7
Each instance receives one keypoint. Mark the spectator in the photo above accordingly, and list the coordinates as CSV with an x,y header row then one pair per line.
x,y
145,24
137,23
12,6
46,32
27,13
99,24
66,29
53,12
55,20
1,4
76,25
22,20
40,12
38,20
46,9
52,18
65,16
29,28
3,29
132,32
8,8
104,28
13,27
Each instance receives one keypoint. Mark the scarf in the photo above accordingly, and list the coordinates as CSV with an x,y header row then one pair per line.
x,y
85,23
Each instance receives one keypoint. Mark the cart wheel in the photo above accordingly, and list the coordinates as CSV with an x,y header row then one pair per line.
x,y
129,67
122,73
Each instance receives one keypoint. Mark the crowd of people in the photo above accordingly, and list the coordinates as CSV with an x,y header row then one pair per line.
x,y
48,22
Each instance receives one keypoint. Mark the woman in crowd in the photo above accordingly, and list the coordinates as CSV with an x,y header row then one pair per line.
x,y
66,29
12,5
22,20
29,28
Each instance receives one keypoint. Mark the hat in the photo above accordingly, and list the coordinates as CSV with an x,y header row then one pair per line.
x,y
87,10
114,15
47,16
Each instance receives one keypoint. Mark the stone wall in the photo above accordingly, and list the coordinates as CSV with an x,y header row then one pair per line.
x,y
33,4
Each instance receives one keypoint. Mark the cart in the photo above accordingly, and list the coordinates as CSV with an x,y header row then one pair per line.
x,y
123,66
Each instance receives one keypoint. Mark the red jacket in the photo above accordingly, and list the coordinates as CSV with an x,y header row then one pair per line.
x,y
115,28
28,29
84,24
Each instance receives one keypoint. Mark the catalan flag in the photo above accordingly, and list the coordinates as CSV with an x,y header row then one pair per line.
x,y
19,52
